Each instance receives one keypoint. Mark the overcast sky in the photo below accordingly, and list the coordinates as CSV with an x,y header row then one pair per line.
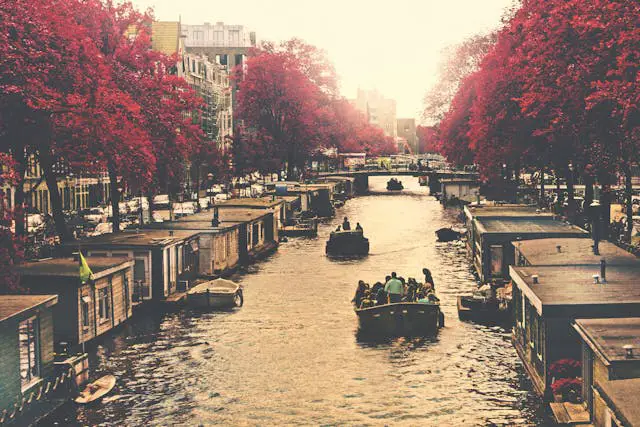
x,y
394,46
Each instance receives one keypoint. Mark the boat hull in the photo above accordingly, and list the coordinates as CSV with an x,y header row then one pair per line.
x,y
482,312
348,248
448,235
400,319
212,300
96,390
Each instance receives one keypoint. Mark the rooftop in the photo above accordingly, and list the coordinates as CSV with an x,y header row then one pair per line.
x,y
573,252
235,215
459,181
571,289
251,202
523,211
69,267
192,225
14,305
624,395
139,238
521,226
609,336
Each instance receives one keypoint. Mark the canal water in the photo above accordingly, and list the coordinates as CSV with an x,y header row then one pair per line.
x,y
291,355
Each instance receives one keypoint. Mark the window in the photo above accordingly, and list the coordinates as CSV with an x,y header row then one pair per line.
x,y
227,246
29,359
125,293
84,308
496,260
104,309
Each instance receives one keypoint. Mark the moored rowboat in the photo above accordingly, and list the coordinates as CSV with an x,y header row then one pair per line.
x,y
218,293
96,389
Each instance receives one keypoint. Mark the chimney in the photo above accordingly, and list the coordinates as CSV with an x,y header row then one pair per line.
x,y
559,248
628,350
603,270
534,278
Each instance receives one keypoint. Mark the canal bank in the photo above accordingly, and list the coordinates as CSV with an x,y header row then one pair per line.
x,y
291,354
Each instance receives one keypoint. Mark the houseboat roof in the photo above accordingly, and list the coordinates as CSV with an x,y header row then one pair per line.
x,y
236,215
573,252
459,181
570,291
501,211
69,267
528,226
608,337
21,305
624,395
145,238
251,202
202,226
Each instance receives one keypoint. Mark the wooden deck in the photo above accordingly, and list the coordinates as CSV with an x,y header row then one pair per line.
x,y
572,414
176,298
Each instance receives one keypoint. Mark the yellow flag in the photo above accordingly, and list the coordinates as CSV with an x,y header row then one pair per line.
x,y
85,272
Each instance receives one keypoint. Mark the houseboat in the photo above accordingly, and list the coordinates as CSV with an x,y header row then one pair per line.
x,y
26,354
494,241
165,261
546,301
460,190
86,309
610,373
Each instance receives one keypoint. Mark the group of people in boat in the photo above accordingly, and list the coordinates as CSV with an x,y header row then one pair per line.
x,y
394,290
346,226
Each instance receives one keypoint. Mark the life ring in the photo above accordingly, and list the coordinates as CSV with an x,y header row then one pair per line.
x,y
238,299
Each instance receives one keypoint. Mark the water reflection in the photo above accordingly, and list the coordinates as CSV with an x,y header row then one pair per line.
x,y
292,354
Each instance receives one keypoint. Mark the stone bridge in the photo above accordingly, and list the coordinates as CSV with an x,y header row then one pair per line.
x,y
433,176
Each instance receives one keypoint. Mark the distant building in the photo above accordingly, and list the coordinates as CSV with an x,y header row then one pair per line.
x,y
380,111
406,128
165,37
227,45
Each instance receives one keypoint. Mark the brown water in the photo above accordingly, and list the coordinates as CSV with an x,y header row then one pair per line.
x,y
291,355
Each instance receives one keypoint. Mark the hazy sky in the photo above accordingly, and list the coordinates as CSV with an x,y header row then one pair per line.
x,y
394,46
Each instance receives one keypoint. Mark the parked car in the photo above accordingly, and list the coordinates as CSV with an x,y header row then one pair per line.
x,y
94,215
161,201
183,209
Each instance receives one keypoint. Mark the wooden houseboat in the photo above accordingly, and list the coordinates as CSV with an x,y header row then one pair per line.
x,y
26,350
570,252
84,310
546,301
610,372
464,190
166,261
494,239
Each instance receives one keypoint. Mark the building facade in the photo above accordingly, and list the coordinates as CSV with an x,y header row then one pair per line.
x,y
406,128
380,111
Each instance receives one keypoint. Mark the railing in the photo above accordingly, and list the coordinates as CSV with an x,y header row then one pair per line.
x,y
46,388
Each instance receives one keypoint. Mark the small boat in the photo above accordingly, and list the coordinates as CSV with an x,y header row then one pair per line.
x,y
486,304
218,293
338,203
448,234
347,243
301,227
394,185
401,319
96,390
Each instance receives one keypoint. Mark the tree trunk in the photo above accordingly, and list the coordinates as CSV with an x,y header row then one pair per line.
x,y
542,195
115,197
605,202
628,199
18,195
46,162
571,201
291,163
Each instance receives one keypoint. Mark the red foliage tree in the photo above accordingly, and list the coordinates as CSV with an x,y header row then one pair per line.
x,y
428,139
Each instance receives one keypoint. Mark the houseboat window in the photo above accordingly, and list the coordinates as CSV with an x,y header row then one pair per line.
x,y
261,231
125,292
102,254
28,333
84,306
104,310
120,255
227,246
496,260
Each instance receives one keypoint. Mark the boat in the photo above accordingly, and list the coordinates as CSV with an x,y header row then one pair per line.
x,y
301,227
394,185
448,234
218,293
400,319
484,307
338,203
347,243
96,390
423,180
